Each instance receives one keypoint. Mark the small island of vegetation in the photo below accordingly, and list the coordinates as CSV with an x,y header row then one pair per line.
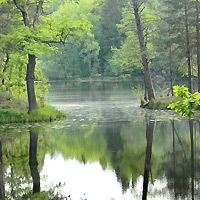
x,y
13,110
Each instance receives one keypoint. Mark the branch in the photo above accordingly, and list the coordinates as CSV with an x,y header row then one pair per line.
x,y
19,7
38,12
142,10
140,5
24,13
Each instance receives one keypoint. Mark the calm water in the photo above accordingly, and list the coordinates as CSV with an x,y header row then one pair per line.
x,y
107,149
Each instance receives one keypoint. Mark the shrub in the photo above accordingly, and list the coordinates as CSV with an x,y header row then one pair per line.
x,y
189,103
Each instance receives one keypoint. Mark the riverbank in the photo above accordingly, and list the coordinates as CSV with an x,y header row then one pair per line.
x,y
99,78
14,110
159,103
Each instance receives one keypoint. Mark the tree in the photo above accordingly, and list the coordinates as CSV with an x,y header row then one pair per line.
x,y
30,76
198,42
78,55
34,38
106,32
144,54
188,46
167,40
176,35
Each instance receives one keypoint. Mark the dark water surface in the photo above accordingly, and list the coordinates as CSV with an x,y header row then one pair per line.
x,y
107,149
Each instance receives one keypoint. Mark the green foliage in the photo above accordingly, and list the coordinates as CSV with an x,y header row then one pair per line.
x,y
46,113
50,195
18,40
161,103
137,90
189,103
128,56
78,54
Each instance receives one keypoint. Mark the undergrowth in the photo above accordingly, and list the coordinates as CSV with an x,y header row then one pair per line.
x,y
46,113
161,103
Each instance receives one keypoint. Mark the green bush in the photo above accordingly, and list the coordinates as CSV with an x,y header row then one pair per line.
x,y
189,102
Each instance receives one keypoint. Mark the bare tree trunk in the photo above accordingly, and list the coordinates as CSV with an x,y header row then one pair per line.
x,y
188,48
30,79
143,49
5,67
198,42
89,61
171,72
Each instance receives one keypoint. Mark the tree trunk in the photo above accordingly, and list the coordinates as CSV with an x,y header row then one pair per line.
x,y
30,79
198,42
5,67
188,48
143,49
89,61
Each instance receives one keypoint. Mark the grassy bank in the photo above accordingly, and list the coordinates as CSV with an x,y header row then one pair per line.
x,y
15,111
46,113
161,103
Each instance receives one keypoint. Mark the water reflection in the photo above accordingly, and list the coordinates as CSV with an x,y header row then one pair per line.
x,y
167,161
191,125
150,125
33,163
122,153
2,182
181,165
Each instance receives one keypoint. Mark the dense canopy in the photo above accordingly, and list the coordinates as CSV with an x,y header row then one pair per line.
x,y
91,38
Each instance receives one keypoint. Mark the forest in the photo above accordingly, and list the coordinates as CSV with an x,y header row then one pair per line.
x,y
80,39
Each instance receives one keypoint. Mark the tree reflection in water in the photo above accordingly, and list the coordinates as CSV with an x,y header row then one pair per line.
x,y
150,125
33,163
191,125
175,158
2,183
181,165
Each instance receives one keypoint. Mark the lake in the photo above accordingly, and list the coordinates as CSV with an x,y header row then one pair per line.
x,y
107,148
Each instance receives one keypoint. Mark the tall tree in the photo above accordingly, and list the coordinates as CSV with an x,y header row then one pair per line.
x,y
175,33
107,35
30,76
198,42
78,56
40,38
188,46
144,53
